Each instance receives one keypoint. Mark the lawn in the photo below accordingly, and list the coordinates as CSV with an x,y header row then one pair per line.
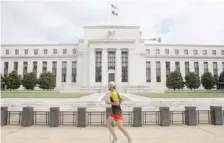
x,y
184,95
13,94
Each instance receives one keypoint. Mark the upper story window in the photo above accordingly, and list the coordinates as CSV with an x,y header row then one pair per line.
x,y
176,51
167,51
213,52
16,51
147,51
64,51
74,51
186,52
45,51
7,52
222,52
55,51
204,52
35,51
26,51
157,51
195,52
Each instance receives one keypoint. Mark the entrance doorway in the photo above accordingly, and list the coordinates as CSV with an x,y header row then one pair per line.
x,y
111,77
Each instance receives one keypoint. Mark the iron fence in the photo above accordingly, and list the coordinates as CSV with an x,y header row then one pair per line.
x,y
99,118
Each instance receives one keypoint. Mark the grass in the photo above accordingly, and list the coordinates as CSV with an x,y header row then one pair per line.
x,y
185,95
15,94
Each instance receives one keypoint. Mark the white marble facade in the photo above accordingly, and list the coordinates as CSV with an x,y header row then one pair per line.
x,y
116,39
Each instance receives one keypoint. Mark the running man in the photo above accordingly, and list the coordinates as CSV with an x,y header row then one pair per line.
x,y
116,115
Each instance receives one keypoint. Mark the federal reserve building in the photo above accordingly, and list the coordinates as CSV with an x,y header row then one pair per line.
x,y
112,53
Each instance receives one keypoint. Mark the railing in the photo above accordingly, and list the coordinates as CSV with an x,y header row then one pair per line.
x,y
98,118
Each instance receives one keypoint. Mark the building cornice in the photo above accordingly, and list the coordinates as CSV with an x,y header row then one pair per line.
x,y
183,45
111,41
40,57
35,45
184,57
111,27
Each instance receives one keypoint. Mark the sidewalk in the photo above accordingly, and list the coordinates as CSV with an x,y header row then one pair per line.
x,y
148,134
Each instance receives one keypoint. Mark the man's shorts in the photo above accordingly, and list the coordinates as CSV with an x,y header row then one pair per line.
x,y
116,117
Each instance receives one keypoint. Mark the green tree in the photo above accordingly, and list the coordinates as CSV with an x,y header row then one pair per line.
x,y
29,81
47,81
175,81
192,81
12,80
221,80
208,80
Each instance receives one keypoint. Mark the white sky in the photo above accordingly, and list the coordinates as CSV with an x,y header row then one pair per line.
x,y
175,21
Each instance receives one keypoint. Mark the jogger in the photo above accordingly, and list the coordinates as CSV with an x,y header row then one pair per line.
x,y
116,115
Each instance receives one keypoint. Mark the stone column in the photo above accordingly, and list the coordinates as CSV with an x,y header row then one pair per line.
x,y
118,67
4,116
92,66
27,117
59,72
54,120
137,117
81,118
164,116
104,67
216,115
190,116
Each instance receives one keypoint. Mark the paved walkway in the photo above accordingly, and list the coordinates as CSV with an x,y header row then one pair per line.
x,y
149,134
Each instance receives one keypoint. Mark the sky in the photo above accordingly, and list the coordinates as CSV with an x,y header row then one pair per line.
x,y
61,22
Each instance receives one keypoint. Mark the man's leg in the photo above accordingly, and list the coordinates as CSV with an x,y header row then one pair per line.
x,y
110,128
122,129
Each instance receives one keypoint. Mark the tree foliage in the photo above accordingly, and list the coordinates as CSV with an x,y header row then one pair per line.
x,y
175,81
47,81
192,81
29,81
208,80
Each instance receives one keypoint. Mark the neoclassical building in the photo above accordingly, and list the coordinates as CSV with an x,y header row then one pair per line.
x,y
112,53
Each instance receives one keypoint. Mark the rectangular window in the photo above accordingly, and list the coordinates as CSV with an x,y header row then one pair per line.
x,y
7,52
54,68
186,52
205,67
195,52
35,51
64,71
44,69
98,66
167,68
6,68
196,68
157,51
148,71
148,51
177,65
35,67
158,72
64,51
215,69
16,51
176,51
25,68
74,51
26,51
187,68
124,66
55,51
204,52
111,60
167,51
15,66
45,51
213,52
74,70
222,52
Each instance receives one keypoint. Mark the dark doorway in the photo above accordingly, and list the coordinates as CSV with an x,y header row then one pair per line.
x,y
111,77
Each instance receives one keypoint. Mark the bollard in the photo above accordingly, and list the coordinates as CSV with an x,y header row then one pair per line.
x,y
27,117
4,116
190,116
137,117
164,116
81,117
216,115
54,120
